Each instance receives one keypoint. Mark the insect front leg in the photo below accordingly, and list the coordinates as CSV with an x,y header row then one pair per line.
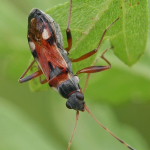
x,y
32,76
68,31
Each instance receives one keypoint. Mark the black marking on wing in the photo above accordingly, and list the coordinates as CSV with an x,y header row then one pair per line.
x,y
51,40
51,66
34,53
48,24
29,40
54,70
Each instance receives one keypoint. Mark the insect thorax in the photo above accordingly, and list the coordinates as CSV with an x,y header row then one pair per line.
x,y
69,86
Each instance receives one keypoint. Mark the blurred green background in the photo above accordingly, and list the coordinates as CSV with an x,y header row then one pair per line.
x,y
119,98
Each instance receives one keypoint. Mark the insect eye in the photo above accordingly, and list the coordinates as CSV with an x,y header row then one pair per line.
x,y
68,105
80,96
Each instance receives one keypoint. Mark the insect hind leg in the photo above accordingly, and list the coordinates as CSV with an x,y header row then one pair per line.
x,y
89,54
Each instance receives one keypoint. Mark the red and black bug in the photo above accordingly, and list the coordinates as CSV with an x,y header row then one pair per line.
x,y
46,45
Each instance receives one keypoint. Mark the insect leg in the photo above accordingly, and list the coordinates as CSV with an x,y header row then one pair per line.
x,y
31,76
40,79
34,75
95,50
86,82
87,78
94,69
68,32
27,69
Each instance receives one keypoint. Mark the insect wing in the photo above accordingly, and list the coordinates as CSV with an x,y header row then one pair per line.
x,y
42,41
49,59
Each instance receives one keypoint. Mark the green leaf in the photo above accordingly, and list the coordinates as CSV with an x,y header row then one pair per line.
x,y
124,35
89,19
15,55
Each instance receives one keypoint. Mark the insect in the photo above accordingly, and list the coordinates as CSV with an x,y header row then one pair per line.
x,y
45,42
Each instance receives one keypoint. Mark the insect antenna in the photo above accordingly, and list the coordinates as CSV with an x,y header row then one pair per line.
x,y
77,116
87,109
